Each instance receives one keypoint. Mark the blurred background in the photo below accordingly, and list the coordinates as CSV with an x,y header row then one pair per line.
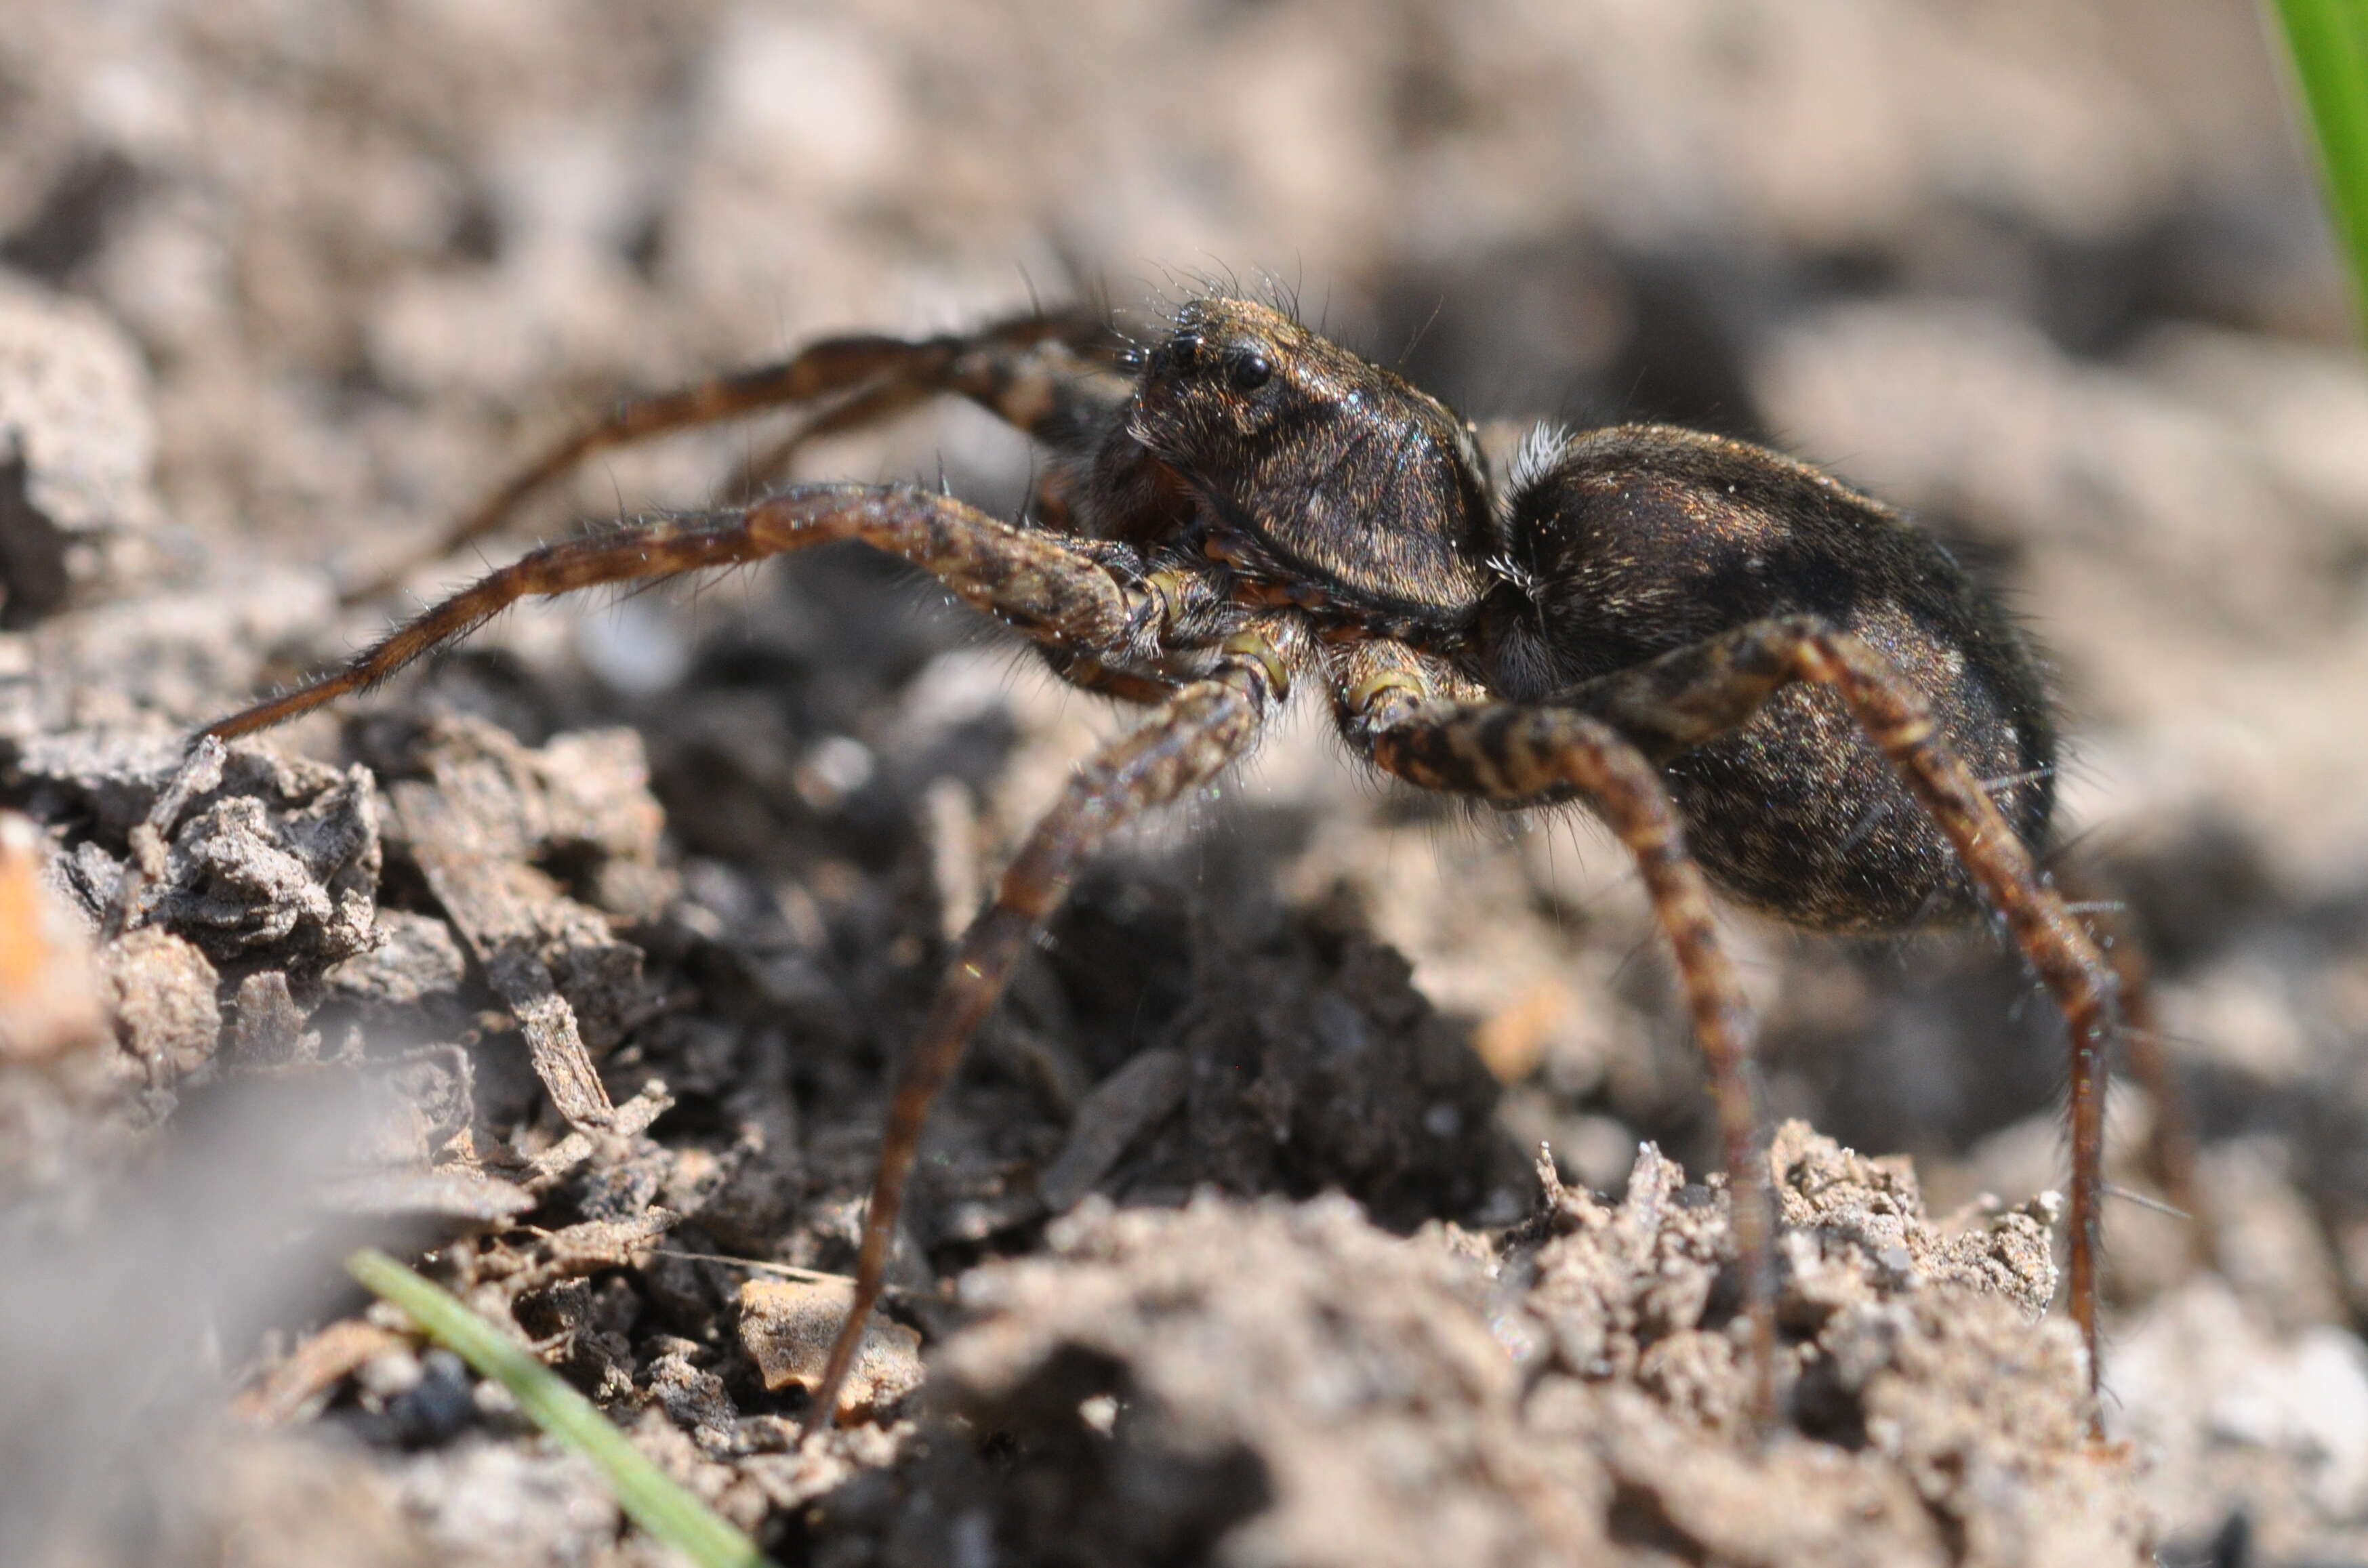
x,y
2053,277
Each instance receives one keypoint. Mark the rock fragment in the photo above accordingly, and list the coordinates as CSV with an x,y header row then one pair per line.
x,y
415,958
285,860
787,1327
277,857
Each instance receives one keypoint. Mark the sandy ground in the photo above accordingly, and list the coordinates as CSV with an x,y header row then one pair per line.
x,y
283,288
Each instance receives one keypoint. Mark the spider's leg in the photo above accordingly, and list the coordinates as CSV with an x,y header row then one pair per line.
x,y
1050,591
1506,750
1698,693
1191,738
1006,367
1057,389
2173,1149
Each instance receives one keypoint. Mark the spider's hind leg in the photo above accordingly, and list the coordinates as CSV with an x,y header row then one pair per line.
x,y
1019,370
2173,1155
1701,693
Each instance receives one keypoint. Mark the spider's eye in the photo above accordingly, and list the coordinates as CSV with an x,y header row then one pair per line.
x,y
1250,370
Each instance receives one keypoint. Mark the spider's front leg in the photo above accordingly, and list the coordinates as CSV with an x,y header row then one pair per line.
x,y
1027,371
1701,693
1192,737
1053,592
1388,699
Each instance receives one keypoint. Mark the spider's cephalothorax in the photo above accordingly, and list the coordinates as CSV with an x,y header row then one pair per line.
x,y
1306,470
1738,664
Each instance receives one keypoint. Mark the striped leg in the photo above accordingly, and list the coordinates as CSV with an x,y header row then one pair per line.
x,y
1056,593
1060,391
1697,694
1188,741
1014,370
2173,1154
1506,751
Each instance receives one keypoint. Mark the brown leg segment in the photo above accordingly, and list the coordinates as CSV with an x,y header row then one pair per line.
x,y
1188,741
1699,693
1004,366
2173,1150
1038,386
1052,592
1508,751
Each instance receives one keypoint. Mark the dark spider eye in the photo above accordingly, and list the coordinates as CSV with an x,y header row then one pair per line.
x,y
1251,371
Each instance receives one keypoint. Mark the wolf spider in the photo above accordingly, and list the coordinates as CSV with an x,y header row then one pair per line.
x,y
1757,678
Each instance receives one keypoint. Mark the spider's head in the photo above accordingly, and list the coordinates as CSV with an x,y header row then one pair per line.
x,y
1332,470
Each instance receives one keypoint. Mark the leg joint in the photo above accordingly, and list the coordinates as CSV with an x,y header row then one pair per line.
x,y
1252,647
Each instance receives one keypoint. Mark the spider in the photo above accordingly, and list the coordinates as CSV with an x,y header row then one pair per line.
x,y
1759,678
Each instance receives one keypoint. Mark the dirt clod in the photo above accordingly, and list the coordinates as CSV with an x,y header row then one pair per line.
x,y
78,513
161,993
1263,1371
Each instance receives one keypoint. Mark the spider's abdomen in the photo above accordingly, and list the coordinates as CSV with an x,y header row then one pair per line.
x,y
1636,541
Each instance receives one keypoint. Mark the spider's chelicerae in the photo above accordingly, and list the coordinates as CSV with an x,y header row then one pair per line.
x,y
1755,676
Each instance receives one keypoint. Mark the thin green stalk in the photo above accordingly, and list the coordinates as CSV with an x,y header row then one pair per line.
x,y
2328,41
652,1500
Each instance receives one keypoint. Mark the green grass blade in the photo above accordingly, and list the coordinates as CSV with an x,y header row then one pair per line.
x,y
2328,41
646,1494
